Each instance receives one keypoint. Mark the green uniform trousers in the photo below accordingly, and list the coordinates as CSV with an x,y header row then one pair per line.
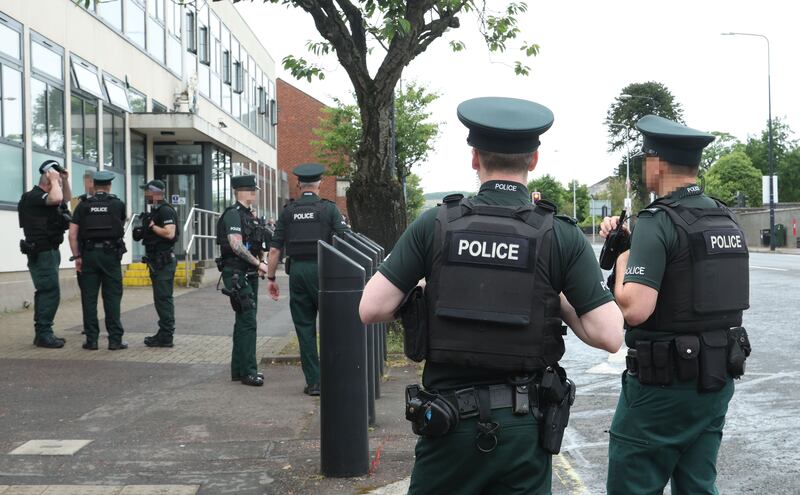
x,y
163,281
662,433
44,272
101,271
303,303
453,464
243,354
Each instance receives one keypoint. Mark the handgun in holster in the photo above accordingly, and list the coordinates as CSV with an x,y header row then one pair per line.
x,y
556,394
617,242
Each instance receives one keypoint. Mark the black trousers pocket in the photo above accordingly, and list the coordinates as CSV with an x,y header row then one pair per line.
x,y
713,361
687,348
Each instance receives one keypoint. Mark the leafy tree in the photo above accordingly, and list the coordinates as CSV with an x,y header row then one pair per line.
x,y
734,173
550,188
789,177
757,148
581,201
340,133
414,197
643,99
723,145
402,30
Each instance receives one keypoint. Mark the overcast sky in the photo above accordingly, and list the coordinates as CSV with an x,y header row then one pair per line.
x,y
590,50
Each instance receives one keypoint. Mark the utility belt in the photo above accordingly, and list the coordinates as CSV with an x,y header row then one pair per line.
x,y
158,260
32,249
546,396
109,246
234,262
708,357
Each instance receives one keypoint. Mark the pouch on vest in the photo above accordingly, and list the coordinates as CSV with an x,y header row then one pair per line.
x,y
413,314
655,362
713,361
688,348
738,351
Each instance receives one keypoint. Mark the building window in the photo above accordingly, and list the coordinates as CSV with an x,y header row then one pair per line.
x,y
111,12
47,109
85,77
262,100
155,29
204,51
117,94
114,149
135,22
11,111
238,73
137,100
158,107
11,99
83,119
191,31
226,67
47,59
10,40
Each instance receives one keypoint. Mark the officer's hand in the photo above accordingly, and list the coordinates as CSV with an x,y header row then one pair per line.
x,y
78,264
274,290
610,223
150,225
65,175
53,175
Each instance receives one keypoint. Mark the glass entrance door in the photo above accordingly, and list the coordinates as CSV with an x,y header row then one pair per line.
x,y
182,195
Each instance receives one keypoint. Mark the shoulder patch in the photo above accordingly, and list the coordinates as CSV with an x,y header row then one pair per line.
x,y
452,197
567,218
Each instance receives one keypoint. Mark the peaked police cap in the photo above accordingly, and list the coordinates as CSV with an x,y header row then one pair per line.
x,y
671,141
504,125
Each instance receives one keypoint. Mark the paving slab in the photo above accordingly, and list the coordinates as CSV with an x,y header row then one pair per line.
x,y
50,447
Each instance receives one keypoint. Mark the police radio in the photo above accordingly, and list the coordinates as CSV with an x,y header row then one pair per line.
x,y
617,242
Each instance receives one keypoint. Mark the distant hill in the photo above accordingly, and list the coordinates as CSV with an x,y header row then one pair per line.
x,y
437,196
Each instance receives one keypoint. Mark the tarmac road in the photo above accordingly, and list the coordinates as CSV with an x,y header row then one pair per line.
x,y
760,450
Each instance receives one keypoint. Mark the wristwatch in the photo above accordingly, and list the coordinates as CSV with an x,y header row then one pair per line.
x,y
73,258
272,279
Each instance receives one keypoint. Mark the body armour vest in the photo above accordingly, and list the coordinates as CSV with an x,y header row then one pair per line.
x,y
99,222
153,241
304,227
490,301
706,283
38,228
247,221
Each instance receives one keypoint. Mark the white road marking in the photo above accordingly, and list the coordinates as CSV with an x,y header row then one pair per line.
x,y
50,447
769,268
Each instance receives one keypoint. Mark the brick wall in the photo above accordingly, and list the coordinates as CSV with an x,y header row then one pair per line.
x,y
298,115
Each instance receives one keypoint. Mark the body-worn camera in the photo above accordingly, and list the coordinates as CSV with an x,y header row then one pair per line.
x,y
617,242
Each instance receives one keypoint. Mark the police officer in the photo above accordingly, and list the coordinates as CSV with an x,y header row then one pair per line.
x,y
95,237
43,217
241,242
301,224
500,275
682,287
158,234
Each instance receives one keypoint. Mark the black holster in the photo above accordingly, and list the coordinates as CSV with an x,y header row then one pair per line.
x,y
158,261
413,314
556,396
240,302
738,351
713,361
430,414
29,249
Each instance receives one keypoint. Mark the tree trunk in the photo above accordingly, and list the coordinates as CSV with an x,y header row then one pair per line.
x,y
375,199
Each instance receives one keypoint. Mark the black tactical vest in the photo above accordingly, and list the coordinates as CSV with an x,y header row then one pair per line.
x,y
490,301
706,283
153,241
48,228
99,221
305,226
246,219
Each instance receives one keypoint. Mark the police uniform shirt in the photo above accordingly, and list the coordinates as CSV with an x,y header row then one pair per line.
x,y
116,205
34,203
653,242
232,220
338,225
162,216
573,271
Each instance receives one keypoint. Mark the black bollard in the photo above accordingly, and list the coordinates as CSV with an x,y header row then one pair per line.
x,y
344,440
365,262
375,329
382,327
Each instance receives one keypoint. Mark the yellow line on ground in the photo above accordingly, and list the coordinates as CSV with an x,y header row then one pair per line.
x,y
568,476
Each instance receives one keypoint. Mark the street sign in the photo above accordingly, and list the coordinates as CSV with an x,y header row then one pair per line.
x,y
175,199
765,189
599,207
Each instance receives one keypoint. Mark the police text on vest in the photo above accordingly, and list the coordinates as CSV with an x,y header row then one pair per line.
x,y
99,209
494,250
303,216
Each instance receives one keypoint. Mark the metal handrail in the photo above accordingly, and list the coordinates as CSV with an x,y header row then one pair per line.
x,y
195,218
130,222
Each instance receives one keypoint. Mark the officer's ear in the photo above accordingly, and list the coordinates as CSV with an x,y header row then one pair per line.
x,y
476,160
534,161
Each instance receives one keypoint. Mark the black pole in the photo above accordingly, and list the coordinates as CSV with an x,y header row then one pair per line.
x,y
771,172
373,255
366,263
344,440
383,326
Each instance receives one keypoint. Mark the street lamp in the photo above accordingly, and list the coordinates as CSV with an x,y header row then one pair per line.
x,y
627,165
769,125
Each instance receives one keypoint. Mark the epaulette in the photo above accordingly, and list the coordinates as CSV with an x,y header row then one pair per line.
x,y
565,217
649,211
547,205
452,197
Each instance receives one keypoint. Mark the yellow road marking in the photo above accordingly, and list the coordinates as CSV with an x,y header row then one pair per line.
x,y
568,476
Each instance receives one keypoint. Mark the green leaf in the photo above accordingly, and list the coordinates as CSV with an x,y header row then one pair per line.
x,y
457,46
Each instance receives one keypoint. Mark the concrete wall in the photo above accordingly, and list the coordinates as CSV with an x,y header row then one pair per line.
x,y
753,221
298,115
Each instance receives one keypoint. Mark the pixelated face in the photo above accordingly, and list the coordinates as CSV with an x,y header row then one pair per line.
x,y
651,172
